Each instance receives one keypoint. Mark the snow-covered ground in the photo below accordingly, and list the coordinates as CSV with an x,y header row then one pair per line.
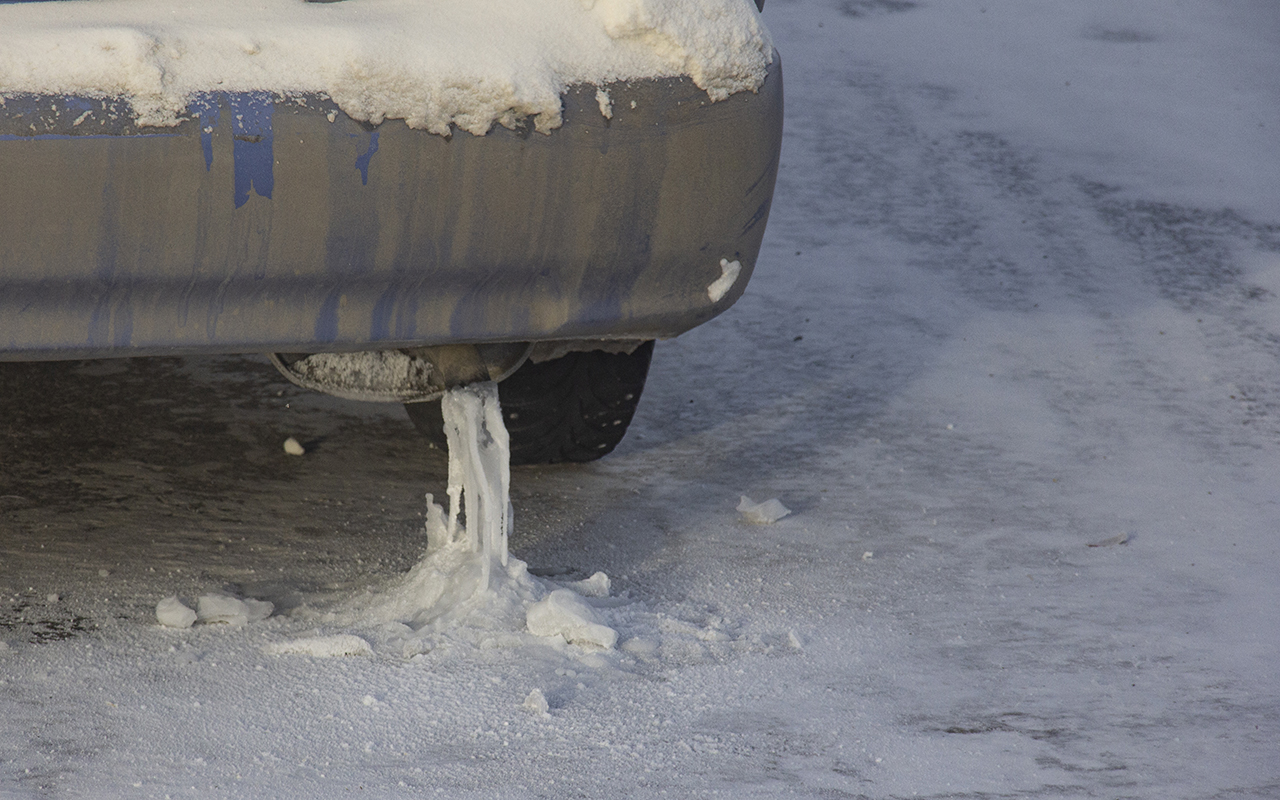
x,y
1020,296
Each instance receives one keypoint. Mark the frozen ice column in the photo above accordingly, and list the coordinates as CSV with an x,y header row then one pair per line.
x,y
479,472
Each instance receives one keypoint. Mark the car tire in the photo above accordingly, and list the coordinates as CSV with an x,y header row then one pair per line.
x,y
573,408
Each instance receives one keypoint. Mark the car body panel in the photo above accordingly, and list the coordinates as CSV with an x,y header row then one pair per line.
x,y
267,223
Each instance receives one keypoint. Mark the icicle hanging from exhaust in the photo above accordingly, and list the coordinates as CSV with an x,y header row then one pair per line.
x,y
479,472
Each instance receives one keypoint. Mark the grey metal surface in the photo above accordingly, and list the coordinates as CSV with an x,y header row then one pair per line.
x,y
279,224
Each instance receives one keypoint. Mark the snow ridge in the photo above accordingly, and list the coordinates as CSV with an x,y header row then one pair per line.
x,y
434,63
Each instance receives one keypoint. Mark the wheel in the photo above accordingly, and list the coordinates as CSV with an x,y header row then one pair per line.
x,y
573,408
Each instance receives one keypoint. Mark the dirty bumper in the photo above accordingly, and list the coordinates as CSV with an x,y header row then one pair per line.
x,y
267,223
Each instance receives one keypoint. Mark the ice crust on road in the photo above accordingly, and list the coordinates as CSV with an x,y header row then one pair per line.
x,y
432,63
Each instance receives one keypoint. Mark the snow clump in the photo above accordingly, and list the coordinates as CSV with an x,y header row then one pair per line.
x,y
173,613
766,513
564,613
230,610
536,703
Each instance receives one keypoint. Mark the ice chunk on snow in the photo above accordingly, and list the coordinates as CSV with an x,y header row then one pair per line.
x,y
536,703
293,447
596,586
222,608
766,513
232,610
322,646
258,610
564,612
173,613
728,276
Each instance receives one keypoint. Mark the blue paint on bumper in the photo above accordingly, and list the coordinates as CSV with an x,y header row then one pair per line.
x,y
252,149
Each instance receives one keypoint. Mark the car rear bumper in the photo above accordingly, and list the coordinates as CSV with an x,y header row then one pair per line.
x,y
266,224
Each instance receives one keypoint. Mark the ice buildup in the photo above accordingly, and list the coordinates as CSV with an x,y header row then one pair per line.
x,y
467,546
467,587
479,471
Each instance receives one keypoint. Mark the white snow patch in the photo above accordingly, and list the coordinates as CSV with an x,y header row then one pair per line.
x,y
564,613
766,513
433,63
322,646
729,271
173,613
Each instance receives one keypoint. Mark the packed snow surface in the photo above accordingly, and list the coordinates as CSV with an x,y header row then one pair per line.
x,y
432,63
342,644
